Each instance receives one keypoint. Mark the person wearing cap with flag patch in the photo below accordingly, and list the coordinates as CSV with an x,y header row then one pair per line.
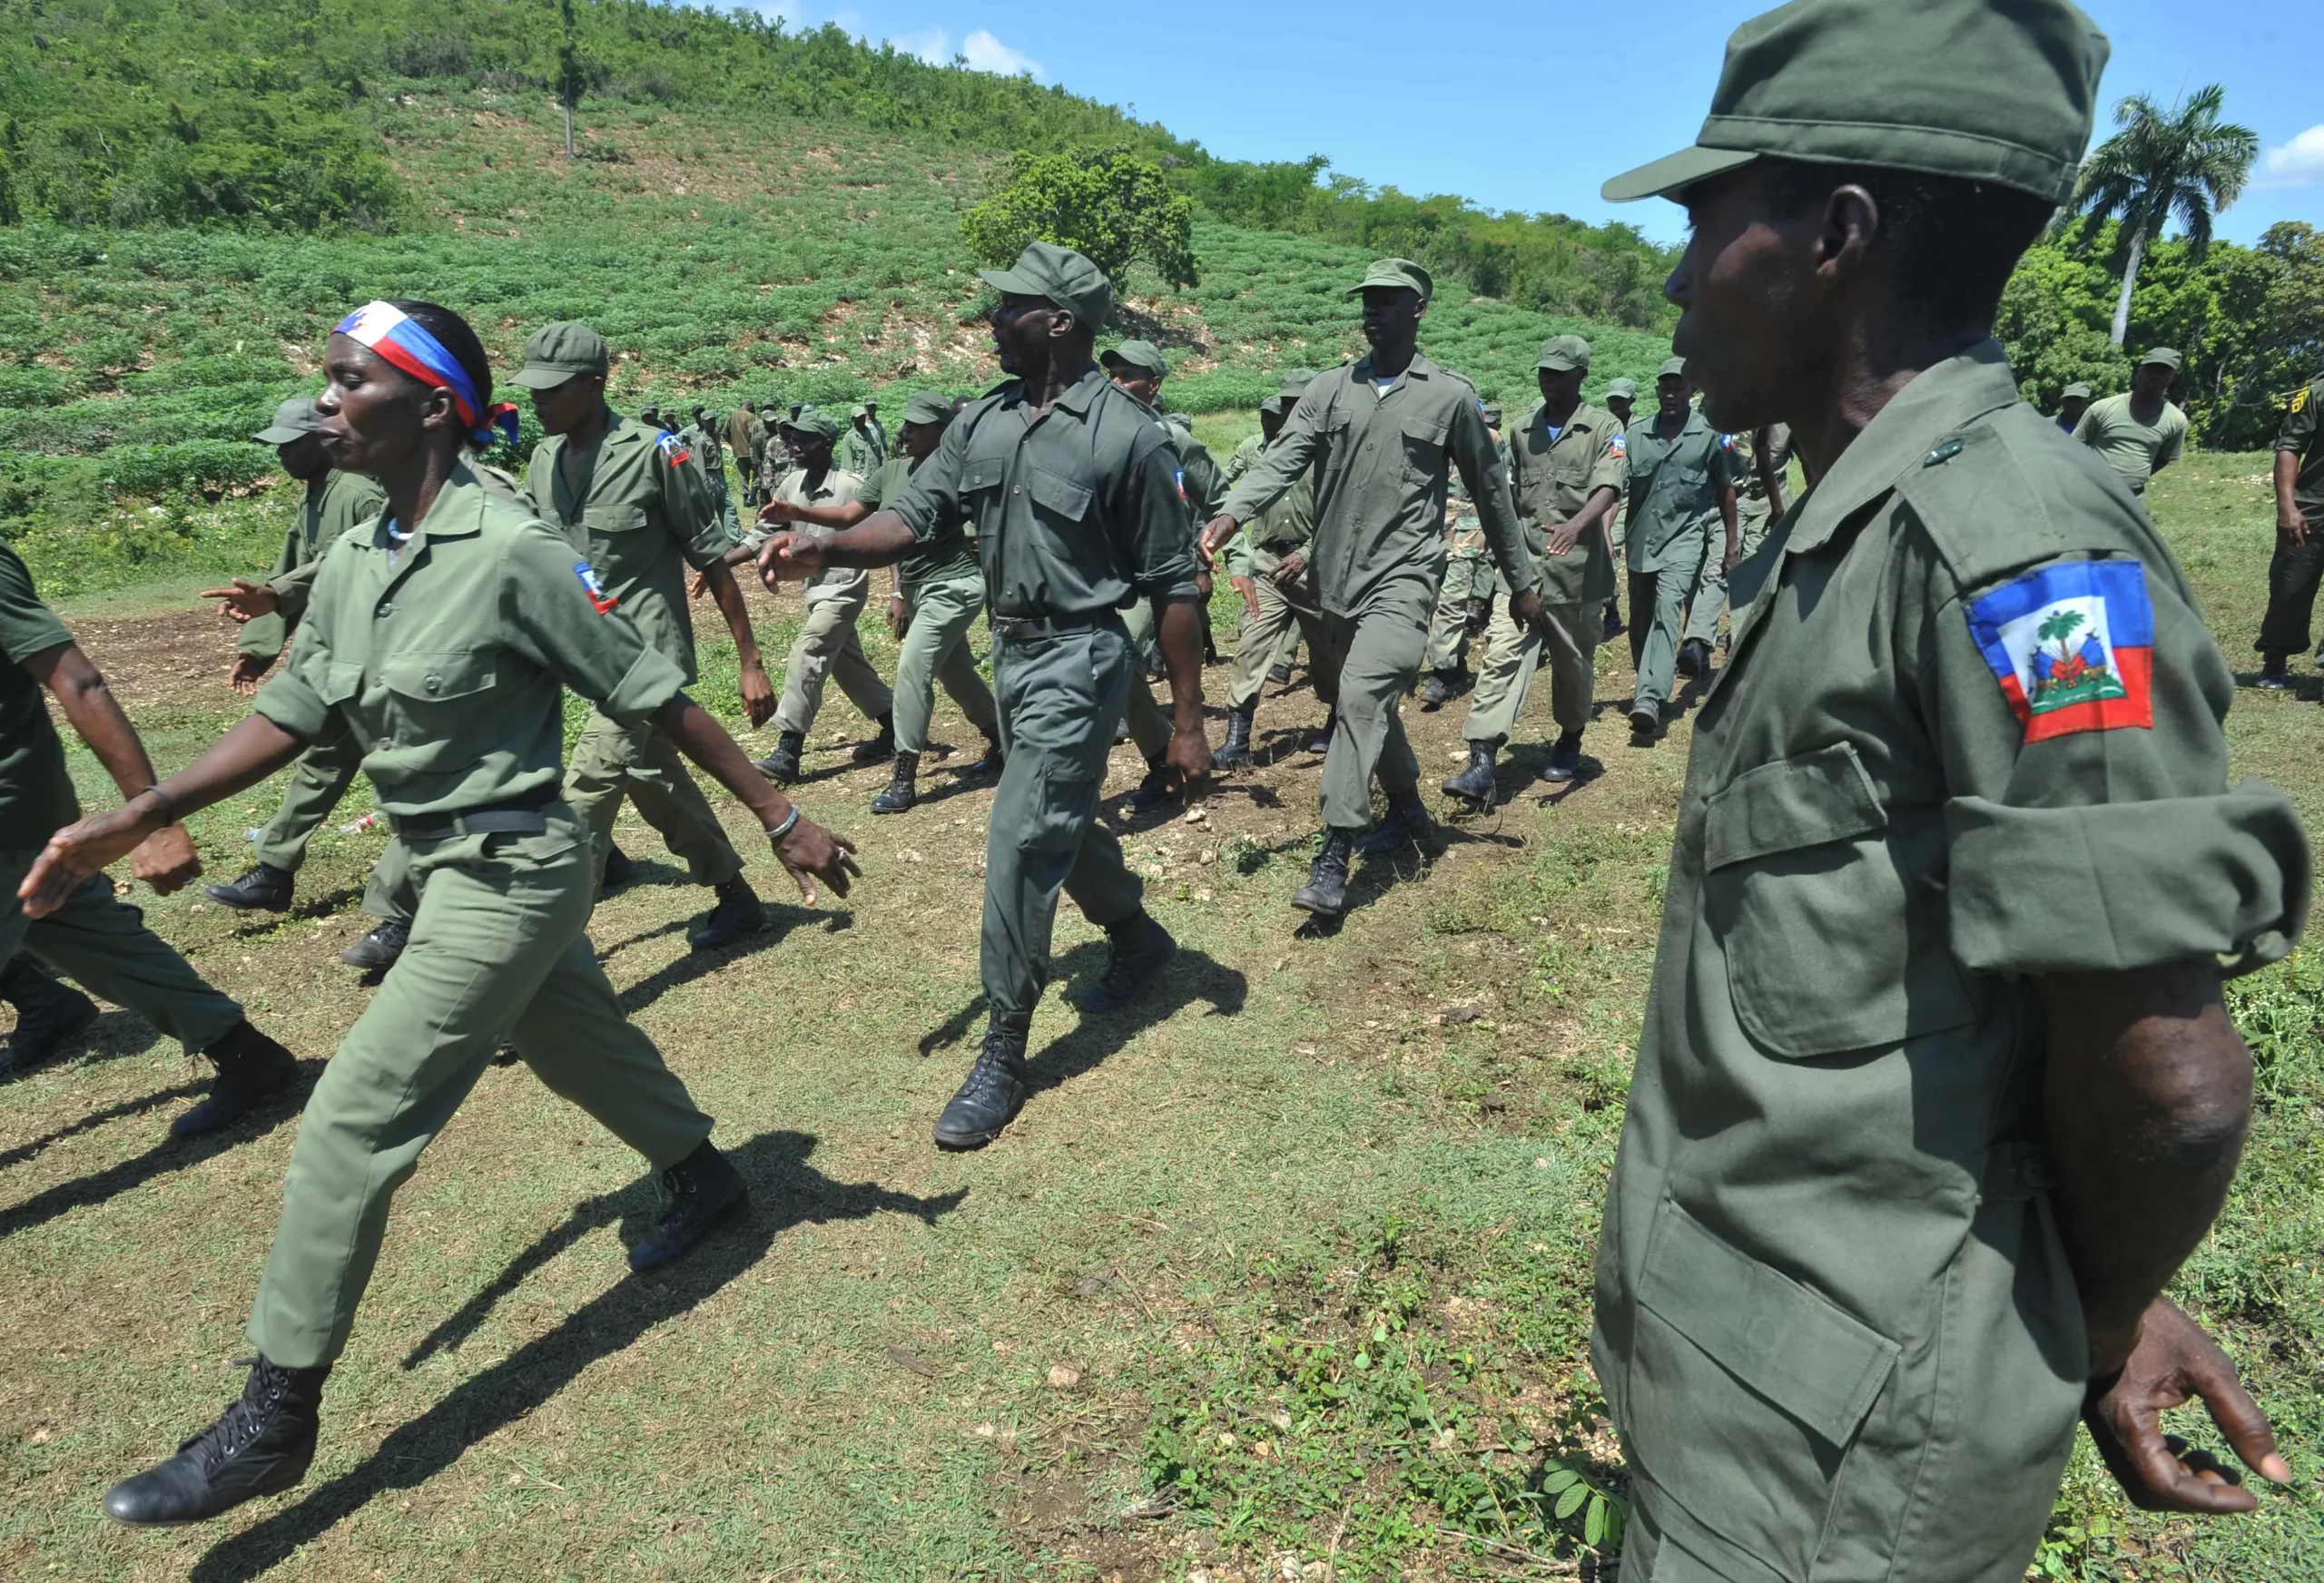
x,y
827,647
1267,563
1681,482
2298,565
1073,489
1936,1089
638,510
1383,436
2143,430
1464,599
2073,402
1565,473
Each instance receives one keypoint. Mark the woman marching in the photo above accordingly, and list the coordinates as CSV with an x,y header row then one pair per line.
x,y
443,633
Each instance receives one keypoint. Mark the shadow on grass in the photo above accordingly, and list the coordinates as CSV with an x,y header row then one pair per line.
x,y
97,1118
313,908
1191,976
781,918
786,1192
169,1154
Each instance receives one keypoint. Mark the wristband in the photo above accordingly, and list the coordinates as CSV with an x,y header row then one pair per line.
x,y
775,837
169,804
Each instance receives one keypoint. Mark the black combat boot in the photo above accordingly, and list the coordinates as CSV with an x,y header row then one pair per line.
x,y
1565,758
1475,783
1279,676
1137,949
1438,690
782,765
1152,792
621,870
262,888
377,951
995,1089
880,748
902,791
1694,658
1235,753
993,761
703,1188
1326,893
2273,677
738,913
260,1446
1320,743
49,1016
1614,627
1646,722
250,1066
1403,826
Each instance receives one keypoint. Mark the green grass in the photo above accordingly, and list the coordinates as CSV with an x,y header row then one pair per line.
x,y
1297,1266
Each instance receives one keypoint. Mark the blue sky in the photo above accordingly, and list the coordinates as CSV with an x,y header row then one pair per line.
x,y
1479,102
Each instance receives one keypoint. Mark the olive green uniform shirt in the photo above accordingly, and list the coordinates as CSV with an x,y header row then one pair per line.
x,y
1382,462
836,488
704,441
447,663
1198,476
1551,477
639,509
1241,461
2138,451
1074,512
36,798
744,437
951,554
1832,1312
1674,487
2303,437
333,504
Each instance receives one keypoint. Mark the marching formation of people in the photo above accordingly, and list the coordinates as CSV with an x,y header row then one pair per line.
x,y
1957,851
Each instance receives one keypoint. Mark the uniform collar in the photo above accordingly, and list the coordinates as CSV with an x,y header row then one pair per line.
x,y
1583,416
1420,367
1082,395
1652,426
1948,396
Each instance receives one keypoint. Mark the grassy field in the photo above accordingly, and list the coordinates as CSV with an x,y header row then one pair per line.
x,y
723,259
1290,1271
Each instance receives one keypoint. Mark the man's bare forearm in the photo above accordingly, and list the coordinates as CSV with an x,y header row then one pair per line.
x,y
2147,1096
1178,630
2287,477
95,713
879,540
729,596
706,743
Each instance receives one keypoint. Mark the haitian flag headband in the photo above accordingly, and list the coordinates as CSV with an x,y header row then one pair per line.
x,y
404,342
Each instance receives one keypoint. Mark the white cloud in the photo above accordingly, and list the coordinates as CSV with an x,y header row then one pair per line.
x,y
934,46
985,53
2296,163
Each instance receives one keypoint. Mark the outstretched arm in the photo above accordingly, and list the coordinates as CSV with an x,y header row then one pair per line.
x,y
881,540
806,851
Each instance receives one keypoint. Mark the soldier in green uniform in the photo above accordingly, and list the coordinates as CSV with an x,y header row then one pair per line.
x,y
1682,480
2143,430
2073,402
1935,1090
1565,473
1383,435
635,505
333,502
2298,563
878,430
82,930
1072,486
702,438
827,648
1755,461
860,448
1621,397
443,634
1267,563
1465,602
1238,549
746,442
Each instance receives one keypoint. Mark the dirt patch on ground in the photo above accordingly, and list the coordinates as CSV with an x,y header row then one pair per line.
x,y
163,662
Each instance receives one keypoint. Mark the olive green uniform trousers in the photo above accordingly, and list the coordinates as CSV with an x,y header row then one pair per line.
x,y
1371,658
1514,650
103,944
612,761
496,951
936,649
1466,577
1267,638
1148,725
1059,697
318,780
1659,614
828,649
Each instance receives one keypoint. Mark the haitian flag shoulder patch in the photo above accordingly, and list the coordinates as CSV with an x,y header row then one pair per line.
x,y
2072,646
673,447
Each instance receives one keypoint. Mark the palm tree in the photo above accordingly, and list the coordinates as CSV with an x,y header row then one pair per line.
x,y
2184,162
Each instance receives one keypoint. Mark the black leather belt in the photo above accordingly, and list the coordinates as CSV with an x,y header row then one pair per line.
x,y
518,816
1033,628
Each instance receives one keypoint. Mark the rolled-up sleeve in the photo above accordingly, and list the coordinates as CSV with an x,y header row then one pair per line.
x,y
1158,535
299,697
2120,844
933,502
555,620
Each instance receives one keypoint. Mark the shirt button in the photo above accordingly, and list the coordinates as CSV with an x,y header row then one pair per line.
x,y
434,684
1019,490
387,608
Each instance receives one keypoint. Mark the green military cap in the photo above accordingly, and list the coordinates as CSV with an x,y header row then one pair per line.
x,y
812,420
1671,366
1561,353
2167,355
293,418
1142,355
1618,389
859,410
557,352
1294,385
1396,272
1062,275
1963,88
1179,420
1492,414
2074,389
928,407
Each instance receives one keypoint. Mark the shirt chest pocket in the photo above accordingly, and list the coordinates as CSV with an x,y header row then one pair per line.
x,y
433,697
612,527
983,482
1423,440
1057,499
1831,941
